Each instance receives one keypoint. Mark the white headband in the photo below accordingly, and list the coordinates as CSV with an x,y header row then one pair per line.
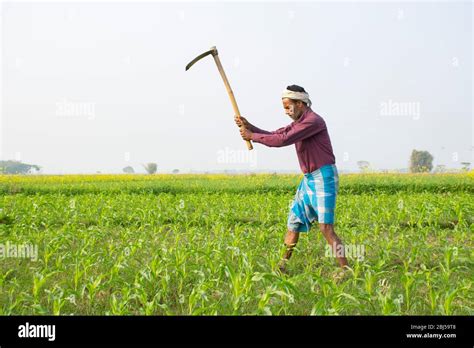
x,y
297,96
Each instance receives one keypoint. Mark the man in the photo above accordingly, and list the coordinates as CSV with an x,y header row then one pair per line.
x,y
315,198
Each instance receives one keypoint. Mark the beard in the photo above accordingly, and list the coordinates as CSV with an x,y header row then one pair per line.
x,y
291,112
294,113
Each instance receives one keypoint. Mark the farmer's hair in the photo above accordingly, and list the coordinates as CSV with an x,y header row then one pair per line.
x,y
296,88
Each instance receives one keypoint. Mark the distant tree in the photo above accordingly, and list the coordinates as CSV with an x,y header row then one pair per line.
x,y
175,171
440,168
421,161
364,166
128,170
150,168
466,166
16,167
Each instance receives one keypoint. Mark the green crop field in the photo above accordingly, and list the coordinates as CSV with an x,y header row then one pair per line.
x,y
209,245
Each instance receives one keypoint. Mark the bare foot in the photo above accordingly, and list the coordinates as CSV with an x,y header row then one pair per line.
x,y
342,274
282,266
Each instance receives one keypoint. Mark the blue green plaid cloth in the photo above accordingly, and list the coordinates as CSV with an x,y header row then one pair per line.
x,y
315,199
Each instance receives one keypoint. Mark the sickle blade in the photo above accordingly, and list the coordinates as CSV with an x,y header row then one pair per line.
x,y
191,63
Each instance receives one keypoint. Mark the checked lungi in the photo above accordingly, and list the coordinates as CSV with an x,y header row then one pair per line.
x,y
315,199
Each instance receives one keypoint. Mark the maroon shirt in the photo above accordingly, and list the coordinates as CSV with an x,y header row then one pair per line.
x,y
310,136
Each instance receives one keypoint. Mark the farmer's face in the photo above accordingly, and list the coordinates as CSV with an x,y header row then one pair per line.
x,y
293,109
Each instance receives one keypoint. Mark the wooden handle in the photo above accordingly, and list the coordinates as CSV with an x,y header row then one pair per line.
x,y
229,91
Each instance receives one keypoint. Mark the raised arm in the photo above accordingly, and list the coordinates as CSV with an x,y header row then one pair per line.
x,y
292,133
254,129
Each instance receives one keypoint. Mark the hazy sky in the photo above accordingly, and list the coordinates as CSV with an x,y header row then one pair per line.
x,y
98,86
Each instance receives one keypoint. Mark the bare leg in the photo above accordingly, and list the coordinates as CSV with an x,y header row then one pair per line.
x,y
335,243
291,239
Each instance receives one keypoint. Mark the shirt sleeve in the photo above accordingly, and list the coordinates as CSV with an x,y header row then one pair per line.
x,y
292,133
255,129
